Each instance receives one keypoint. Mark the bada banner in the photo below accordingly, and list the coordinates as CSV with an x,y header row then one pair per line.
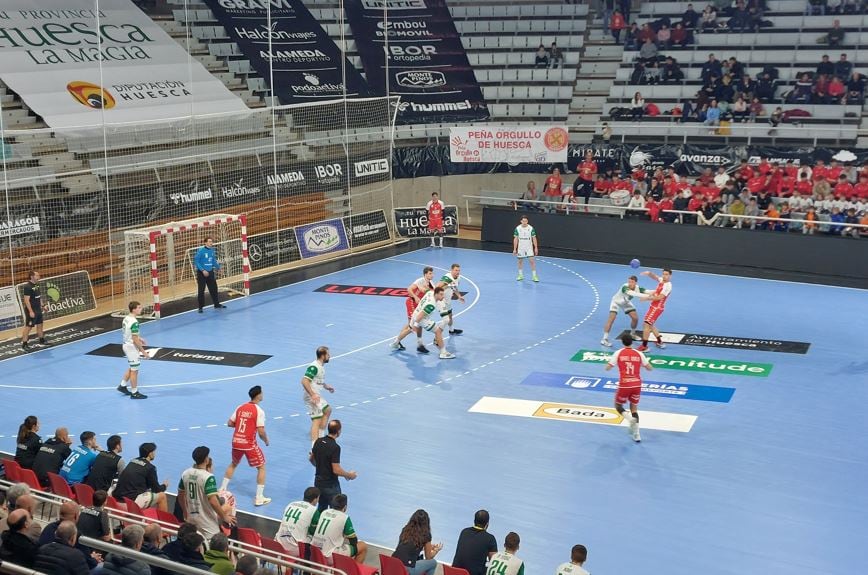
x,y
307,65
75,75
536,144
413,48
413,222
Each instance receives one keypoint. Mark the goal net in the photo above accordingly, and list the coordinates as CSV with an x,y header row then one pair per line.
x,y
159,261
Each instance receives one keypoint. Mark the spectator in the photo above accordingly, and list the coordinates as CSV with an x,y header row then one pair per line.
x,y
69,511
605,10
107,466
825,67
77,466
51,455
617,25
837,218
625,8
297,520
218,555
553,188
666,205
712,116
475,545
752,210
530,197
16,545
671,71
815,7
736,69
153,539
709,19
19,496
725,92
93,521
139,482
763,200
835,36
60,556
606,132
822,188
187,547
247,565
132,537
636,206
837,91
834,6
801,93
578,556
664,36
637,107
810,217
542,57
680,36
647,33
711,68
631,38
741,19
690,18
326,458
756,109
785,216
415,542
765,88
772,214
648,53
745,87
739,110
28,442
687,111
856,89
721,178
556,56
334,532
653,208
843,67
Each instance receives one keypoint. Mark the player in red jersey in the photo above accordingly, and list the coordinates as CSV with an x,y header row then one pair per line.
x,y
248,421
415,292
435,219
658,303
629,362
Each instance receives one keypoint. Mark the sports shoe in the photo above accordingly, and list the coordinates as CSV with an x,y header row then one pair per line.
x,y
636,437
642,347
446,355
200,310
397,346
422,349
535,278
138,395
660,344
219,306
456,331
123,389
261,501
606,342
520,277
25,346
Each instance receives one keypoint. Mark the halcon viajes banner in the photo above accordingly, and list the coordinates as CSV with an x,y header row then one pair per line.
x,y
74,74
511,144
307,64
413,47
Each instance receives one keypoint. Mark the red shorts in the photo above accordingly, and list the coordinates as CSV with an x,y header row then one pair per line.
x,y
628,394
255,457
435,225
653,314
411,307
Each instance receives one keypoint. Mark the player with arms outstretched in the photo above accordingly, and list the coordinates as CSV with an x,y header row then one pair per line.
x,y
134,350
313,382
629,362
449,282
622,300
415,293
658,302
248,421
525,247
435,218
431,303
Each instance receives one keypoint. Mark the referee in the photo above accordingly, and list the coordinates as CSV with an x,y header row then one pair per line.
x,y
326,457
207,267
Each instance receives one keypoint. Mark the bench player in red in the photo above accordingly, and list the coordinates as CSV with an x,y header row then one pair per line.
x,y
658,302
629,362
435,219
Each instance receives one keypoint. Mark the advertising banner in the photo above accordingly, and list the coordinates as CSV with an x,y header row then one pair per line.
x,y
272,249
533,144
412,48
64,295
307,65
128,70
367,228
413,222
610,384
321,238
10,309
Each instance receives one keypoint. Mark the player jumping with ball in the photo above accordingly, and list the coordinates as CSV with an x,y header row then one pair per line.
x,y
629,362
658,302
431,304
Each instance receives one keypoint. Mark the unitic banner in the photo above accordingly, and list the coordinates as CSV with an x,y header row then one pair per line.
x,y
536,144
10,309
413,222
304,62
321,238
137,72
64,295
367,228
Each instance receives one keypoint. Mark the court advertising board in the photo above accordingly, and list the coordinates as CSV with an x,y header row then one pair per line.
x,y
610,384
722,366
64,295
272,249
413,222
749,343
207,357
511,144
321,238
12,348
10,309
367,228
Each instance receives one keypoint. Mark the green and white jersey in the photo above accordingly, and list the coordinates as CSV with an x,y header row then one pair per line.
x,y
130,328
570,569
624,295
450,286
525,234
504,563
295,526
199,485
428,304
333,528
315,372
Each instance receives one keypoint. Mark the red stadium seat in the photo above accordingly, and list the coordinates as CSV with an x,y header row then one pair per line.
x,y
132,507
316,555
12,468
391,566
249,536
60,487
27,476
84,494
450,570
349,566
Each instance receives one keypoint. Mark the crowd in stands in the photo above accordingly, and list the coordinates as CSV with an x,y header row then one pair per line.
x,y
553,57
203,528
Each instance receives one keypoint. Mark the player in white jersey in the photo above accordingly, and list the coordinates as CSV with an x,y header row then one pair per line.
x,y
415,291
297,522
134,350
622,301
313,382
451,291
198,498
334,533
505,562
525,247
431,303
577,559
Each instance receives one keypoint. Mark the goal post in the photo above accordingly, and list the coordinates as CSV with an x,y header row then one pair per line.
x,y
159,261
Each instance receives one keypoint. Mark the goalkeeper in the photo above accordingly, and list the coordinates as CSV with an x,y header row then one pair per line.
x,y
207,267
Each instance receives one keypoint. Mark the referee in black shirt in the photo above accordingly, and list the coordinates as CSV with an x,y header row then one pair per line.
x,y
326,457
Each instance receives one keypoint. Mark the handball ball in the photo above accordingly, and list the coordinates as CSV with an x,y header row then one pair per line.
x,y
634,263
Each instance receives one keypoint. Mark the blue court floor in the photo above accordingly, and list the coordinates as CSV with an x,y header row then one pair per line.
x,y
770,481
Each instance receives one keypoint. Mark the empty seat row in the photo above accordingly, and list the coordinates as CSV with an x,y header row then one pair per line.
x,y
224,49
204,15
525,58
521,42
506,10
208,32
529,110
520,26
677,8
484,75
527,92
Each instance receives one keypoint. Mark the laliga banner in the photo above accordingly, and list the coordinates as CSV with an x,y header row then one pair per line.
x,y
413,222
537,144
129,70
412,48
308,65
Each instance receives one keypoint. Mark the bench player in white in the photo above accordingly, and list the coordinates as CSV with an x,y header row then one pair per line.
x,y
622,301
525,247
506,562
295,527
431,304
313,382
451,290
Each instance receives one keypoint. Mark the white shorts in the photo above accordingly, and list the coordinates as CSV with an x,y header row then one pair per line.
x,y
524,251
146,499
615,307
315,410
429,324
132,354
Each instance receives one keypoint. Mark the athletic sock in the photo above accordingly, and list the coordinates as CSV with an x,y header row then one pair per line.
x,y
644,342
605,335
260,491
123,383
636,416
225,485
659,339
419,341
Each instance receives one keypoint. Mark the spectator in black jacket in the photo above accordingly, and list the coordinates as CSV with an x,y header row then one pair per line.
x,y
746,87
856,89
51,455
28,441
153,538
690,18
825,67
835,36
16,546
710,69
670,71
843,68
765,88
736,69
132,537
60,557
107,466
139,482
187,548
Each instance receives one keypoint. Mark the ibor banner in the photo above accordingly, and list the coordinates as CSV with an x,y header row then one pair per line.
x,y
532,144
412,48
129,69
307,64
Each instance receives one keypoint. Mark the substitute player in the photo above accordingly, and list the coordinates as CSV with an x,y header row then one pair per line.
x,y
658,302
525,247
248,421
313,382
435,218
449,282
629,361
415,293
134,350
431,302
622,300
197,496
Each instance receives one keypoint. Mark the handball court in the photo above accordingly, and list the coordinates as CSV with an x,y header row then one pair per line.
x,y
759,468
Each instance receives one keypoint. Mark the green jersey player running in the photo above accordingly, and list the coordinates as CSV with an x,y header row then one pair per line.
x,y
431,303
622,300
449,283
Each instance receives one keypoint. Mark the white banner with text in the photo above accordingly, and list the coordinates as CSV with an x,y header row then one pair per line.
x,y
513,144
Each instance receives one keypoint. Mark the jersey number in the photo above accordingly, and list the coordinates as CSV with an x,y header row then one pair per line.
x,y
629,368
497,567
294,514
191,491
242,425
323,525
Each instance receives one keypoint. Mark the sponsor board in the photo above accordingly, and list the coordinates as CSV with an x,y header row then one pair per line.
x,y
64,295
367,228
579,413
721,366
19,226
537,144
652,388
776,345
420,79
272,249
207,357
372,167
10,309
363,290
12,347
413,222
321,238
